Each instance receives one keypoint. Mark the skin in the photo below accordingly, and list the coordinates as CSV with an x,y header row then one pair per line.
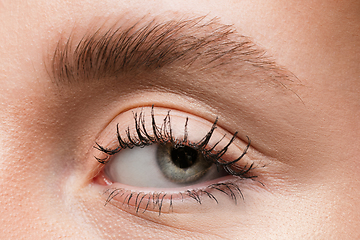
x,y
306,133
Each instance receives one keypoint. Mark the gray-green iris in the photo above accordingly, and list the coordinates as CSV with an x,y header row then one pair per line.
x,y
182,164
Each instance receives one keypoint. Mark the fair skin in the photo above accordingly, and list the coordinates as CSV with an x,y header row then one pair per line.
x,y
301,113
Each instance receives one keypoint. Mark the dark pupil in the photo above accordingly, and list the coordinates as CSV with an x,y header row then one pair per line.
x,y
184,157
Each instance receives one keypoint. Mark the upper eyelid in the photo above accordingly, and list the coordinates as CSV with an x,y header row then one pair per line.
x,y
166,137
129,125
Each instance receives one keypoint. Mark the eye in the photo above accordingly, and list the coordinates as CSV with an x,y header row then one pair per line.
x,y
169,154
161,166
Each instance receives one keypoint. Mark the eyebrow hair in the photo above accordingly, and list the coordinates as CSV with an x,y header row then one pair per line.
x,y
195,44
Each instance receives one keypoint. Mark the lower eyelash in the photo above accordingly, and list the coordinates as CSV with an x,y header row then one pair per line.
x,y
143,202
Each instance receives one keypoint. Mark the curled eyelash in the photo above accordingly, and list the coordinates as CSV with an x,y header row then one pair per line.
x,y
163,135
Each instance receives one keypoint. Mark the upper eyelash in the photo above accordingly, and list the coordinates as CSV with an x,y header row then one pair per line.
x,y
163,135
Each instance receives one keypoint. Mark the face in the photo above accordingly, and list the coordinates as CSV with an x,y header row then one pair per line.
x,y
166,120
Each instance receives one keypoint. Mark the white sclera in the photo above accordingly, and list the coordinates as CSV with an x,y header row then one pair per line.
x,y
139,167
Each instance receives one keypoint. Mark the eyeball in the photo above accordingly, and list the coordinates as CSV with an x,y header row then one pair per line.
x,y
163,156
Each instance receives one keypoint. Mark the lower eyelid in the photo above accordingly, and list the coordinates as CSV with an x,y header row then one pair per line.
x,y
161,201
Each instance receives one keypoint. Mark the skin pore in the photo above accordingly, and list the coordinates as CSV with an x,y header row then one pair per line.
x,y
284,74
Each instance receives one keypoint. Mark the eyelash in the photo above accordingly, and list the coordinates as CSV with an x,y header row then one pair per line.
x,y
163,135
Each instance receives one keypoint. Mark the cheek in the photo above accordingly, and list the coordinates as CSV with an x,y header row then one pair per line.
x,y
34,169
29,199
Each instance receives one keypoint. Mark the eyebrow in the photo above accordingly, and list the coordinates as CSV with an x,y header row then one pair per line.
x,y
193,44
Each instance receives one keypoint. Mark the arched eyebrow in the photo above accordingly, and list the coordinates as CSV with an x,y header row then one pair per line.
x,y
194,45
